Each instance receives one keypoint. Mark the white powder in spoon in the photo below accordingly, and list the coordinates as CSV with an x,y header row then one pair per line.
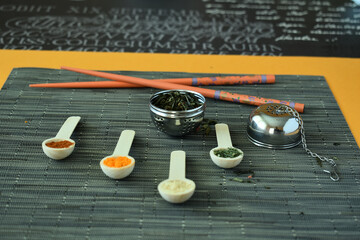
x,y
175,186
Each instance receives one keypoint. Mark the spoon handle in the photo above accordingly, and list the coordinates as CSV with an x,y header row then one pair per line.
x,y
68,127
223,135
177,165
124,144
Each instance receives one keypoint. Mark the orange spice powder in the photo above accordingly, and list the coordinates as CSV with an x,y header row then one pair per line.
x,y
60,144
117,162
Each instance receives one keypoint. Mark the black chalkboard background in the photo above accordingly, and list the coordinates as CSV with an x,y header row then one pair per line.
x,y
243,27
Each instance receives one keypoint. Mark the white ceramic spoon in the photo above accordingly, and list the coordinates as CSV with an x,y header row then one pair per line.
x,y
122,149
224,142
64,134
177,188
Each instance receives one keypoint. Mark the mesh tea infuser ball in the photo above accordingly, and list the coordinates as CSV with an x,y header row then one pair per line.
x,y
278,126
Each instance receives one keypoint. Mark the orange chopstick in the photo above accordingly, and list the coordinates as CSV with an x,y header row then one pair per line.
x,y
222,95
203,81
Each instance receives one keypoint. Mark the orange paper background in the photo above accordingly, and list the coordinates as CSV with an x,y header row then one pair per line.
x,y
342,74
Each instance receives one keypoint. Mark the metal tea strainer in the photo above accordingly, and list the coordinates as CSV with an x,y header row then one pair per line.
x,y
177,123
278,126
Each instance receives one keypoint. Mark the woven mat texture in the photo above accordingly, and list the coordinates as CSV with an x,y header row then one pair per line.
x,y
288,196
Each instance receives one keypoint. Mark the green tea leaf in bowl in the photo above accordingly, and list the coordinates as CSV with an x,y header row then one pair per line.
x,y
177,101
227,152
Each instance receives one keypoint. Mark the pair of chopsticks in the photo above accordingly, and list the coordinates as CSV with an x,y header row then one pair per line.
x,y
202,81
167,84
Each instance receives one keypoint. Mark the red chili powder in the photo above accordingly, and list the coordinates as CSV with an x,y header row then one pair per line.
x,y
60,144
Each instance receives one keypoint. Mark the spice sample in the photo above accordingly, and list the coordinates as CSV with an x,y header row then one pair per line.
x,y
177,101
60,144
117,162
204,127
176,186
227,152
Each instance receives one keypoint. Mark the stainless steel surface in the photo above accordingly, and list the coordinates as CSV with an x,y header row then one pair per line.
x,y
272,126
177,123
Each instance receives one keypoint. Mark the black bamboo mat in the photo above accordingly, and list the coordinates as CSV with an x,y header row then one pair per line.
x,y
272,194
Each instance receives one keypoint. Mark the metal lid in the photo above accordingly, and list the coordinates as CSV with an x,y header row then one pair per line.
x,y
273,126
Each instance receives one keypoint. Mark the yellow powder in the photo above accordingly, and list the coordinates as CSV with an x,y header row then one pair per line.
x,y
117,162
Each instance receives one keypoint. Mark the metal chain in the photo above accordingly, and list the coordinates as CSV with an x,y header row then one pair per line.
x,y
333,173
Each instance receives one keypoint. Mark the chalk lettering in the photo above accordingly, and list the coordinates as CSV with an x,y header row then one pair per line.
x,y
84,10
27,8
248,27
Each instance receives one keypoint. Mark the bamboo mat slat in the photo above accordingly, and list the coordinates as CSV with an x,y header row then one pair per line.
x,y
289,197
